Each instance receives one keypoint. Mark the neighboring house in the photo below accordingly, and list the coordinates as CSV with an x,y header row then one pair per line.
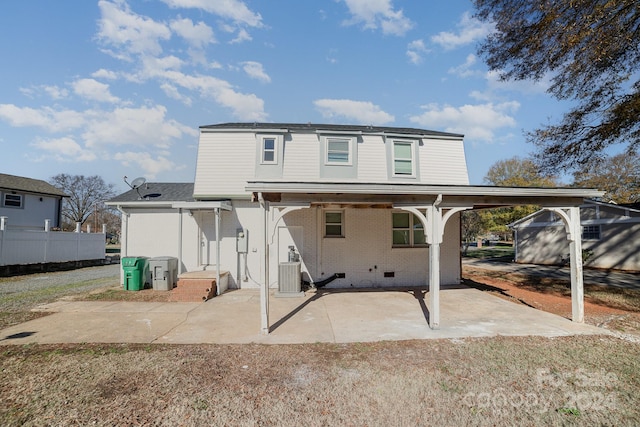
x,y
362,206
610,237
27,203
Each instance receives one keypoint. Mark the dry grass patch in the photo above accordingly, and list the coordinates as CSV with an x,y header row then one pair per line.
x,y
494,381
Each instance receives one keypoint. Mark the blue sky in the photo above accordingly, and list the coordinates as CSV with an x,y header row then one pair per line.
x,y
117,87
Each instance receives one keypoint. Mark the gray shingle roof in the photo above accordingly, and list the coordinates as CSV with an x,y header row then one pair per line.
x,y
330,127
158,192
28,185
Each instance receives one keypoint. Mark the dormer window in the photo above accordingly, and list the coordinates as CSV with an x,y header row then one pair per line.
x,y
269,147
338,151
403,158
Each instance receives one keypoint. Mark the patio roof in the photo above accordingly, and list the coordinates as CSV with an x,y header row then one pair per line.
x,y
476,196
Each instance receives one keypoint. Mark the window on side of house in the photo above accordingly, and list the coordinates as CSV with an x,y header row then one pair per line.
x,y
591,232
12,200
407,230
338,151
403,158
334,224
269,150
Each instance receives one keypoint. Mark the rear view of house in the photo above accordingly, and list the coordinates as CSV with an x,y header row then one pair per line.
x,y
358,240
355,206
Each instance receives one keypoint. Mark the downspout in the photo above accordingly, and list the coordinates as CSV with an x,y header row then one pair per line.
x,y
59,219
124,239
217,213
180,240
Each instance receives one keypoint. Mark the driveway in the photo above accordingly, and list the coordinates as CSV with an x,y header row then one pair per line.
x,y
591,276
337,316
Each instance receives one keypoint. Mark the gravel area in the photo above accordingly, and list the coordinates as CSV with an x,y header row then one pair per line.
x,y
20,294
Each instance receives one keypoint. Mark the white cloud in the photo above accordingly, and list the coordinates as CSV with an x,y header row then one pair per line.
x,y
476,122
121,28
93,90
104,74
54,92
144,126
243,36
47,118
470,30
465,70
228,9
63,149
148,165
197,35
256,71
378,14
244,106
415,50
360,111
172,92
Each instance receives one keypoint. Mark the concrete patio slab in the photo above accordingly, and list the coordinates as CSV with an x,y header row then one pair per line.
x,y
320,316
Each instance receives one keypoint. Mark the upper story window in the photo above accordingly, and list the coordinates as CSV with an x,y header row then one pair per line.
x,y
403,158
12,200
338,151
334,224
408,230
269,150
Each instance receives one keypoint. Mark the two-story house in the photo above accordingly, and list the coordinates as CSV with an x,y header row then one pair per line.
x,y
362,206
26,202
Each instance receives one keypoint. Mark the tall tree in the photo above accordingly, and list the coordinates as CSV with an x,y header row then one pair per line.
x,y
618,176
591,50
86,195
514,172
517,172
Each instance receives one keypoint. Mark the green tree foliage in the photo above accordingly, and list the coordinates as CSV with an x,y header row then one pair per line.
x,y
86,195
591,51
618,176
514,172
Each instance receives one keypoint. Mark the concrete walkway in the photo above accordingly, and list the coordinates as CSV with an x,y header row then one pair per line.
x,y
338,316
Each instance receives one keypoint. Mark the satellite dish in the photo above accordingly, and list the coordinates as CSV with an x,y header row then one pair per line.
x,y
138,182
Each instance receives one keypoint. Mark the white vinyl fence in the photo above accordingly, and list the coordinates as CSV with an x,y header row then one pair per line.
x,y
42,246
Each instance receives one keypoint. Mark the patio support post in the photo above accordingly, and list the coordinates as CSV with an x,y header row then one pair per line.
x,y
264,289
434,237
217,213
575,254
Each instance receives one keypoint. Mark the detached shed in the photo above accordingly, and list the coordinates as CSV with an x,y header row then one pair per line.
x,y
610,237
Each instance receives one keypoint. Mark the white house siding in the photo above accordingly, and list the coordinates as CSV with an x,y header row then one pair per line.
x,y
302,157
155,232
372,159
443,162
226,161
31,216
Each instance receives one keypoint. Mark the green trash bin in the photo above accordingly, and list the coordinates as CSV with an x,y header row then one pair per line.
x,y
136,272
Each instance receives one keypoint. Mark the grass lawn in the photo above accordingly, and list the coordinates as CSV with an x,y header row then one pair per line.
x,y
588,380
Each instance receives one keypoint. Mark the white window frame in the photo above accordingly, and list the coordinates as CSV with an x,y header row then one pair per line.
x,y
264,150
412,146
415,225
18,197
341,224
327,143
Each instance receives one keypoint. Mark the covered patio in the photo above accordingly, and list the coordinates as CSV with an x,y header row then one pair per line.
x,y
433,205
